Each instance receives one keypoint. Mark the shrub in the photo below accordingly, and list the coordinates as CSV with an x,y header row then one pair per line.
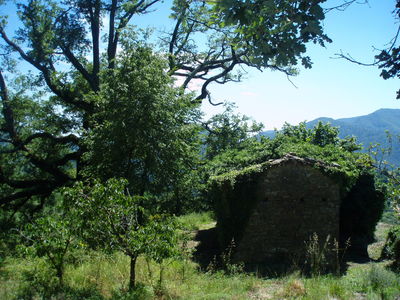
x,y
391,249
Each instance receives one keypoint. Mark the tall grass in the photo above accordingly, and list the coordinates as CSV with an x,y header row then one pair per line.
x,y
100,276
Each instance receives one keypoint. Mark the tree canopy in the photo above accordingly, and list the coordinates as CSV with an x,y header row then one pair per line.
x,y
72,50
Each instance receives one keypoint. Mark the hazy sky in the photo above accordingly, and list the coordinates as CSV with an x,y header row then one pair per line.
x,y
333,87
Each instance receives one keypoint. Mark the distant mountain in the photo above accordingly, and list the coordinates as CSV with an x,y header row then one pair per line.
x,y
368,129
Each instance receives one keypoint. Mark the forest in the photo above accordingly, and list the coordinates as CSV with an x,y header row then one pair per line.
x,y
107,162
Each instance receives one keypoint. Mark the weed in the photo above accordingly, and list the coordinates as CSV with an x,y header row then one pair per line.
x,y
292,289
316,255
324,256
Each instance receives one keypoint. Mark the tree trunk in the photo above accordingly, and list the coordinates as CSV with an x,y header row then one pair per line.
x,y
132,276
60,275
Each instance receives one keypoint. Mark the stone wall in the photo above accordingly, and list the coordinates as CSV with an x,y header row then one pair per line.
x,y
294,200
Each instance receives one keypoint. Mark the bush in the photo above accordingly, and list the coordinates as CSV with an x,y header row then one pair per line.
x,y
391,249
379,279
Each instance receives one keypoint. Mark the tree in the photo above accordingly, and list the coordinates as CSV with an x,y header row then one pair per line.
x,y
61,42
145,132
111,219
389,59
227,131
52,236
260,34
322,134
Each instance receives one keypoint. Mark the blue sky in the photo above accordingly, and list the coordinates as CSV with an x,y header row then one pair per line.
x,y
332,88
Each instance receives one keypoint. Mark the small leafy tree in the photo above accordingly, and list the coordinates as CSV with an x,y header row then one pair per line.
x,y
52,236
111,219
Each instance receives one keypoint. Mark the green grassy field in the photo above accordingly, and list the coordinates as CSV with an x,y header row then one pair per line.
x,y
99,276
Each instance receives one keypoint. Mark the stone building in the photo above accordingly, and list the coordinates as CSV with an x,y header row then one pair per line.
x,y
271,210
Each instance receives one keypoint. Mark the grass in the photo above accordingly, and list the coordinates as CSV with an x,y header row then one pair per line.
x,y
381,232
101,276
198,221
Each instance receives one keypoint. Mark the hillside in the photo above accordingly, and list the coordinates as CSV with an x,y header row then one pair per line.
x,y
368,129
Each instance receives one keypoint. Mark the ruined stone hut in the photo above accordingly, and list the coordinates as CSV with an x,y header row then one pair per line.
x,y
270,210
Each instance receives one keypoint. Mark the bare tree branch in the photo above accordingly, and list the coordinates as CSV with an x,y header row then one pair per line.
x,y
351,59
345,5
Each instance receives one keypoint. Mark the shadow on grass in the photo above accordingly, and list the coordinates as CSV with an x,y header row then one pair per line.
x,y
208,255
207,249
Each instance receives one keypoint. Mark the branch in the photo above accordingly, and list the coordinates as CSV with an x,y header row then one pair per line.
x,y
111,49
19,145
204,92
37,191
206,67
71,138
7,111
351,59
66,96
114,33
95,30
174,38
68,157
345,5
75,62
20,184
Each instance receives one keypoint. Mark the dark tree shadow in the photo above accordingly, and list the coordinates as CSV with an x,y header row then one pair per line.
x,y
207,249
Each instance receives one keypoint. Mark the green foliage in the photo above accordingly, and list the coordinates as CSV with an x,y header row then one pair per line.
x,y
111,219
391,249
228,131
141,292
376,281
143,132
197,221
321,134
320,143
83,95
287,29
100,276
52,236
387,174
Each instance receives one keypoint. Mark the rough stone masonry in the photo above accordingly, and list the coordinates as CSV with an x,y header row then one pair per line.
x,y
294,200
271,210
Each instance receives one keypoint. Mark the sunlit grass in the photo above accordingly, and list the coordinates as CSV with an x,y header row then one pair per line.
x,y
96,275
197,221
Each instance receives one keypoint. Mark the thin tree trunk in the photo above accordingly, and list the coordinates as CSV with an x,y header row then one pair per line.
x,y
132,276
60,275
